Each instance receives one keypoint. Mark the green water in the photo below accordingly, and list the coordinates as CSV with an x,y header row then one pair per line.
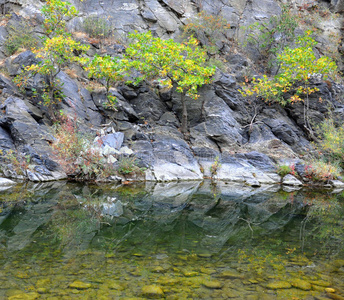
x,y
170,241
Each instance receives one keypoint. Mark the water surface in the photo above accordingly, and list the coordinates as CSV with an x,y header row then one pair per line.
x,y
170,241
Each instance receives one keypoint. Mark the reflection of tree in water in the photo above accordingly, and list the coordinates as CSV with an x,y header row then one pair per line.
x,y
323,224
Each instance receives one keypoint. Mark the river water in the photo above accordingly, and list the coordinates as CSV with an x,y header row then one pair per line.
x,y
193,240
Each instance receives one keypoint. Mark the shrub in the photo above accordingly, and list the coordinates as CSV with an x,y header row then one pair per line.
x,y
332,140
75,153
96,27
284,170
18,163
58,51
216,165
129,165
322,171
20,36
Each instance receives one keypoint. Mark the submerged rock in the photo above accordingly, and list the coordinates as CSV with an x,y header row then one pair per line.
x,y
275,285
152,291
80,285
213,284
301,284
231,274
24,296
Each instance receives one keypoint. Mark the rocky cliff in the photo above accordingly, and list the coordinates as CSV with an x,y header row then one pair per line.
x,y
246,140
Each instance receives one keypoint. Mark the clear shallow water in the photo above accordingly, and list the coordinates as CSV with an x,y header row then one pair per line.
x,y
170,241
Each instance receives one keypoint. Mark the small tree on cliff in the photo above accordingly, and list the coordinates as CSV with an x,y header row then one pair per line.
x,y
108,70
58,51
179,64
297,66
56,13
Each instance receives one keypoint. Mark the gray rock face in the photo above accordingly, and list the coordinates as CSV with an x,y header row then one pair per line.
x,y
78,102
168,156
20,131
6,142
16,63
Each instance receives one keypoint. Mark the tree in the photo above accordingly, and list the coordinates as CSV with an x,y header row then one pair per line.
x,y
179,64
58,51
271,37
297,66
108,68
56,13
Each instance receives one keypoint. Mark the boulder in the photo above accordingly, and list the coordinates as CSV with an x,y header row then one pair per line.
x,y
113,140
337,183
6,182
77,102
291,180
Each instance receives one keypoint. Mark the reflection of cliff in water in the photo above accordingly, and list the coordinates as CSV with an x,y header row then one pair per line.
x,y
195,216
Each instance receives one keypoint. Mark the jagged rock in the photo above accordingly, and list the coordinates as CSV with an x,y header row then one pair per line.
x,y
149,106
6,142
168,118
291,180
128,93
3,34
107,151
111,159
113,140
78,102
23,127
16,63
241,170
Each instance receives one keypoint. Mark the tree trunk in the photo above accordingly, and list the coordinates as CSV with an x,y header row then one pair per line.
x,y
184,127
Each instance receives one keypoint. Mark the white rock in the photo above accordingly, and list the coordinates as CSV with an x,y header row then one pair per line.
x,y
111,159
291,180
126,151
6,182
149,176
253,182
337,183
171,172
